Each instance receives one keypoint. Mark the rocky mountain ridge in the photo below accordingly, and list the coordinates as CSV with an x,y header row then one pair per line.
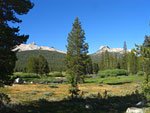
x,y
112,50
33,46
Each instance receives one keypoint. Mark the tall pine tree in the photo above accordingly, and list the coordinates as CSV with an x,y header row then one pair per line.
x,y
95,68
144,52
76,57
146,41
32,65
42,65
124,57
9,36
89,69
133,62
102,61
38,65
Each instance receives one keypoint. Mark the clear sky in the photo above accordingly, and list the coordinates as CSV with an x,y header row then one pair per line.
x,y
106,22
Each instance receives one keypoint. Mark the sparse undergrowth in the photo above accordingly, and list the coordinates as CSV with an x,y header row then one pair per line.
x,y
35,98
96,104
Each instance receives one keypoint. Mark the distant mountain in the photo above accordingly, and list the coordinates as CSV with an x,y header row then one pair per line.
x,y
97,55
33,46
54,57
110,50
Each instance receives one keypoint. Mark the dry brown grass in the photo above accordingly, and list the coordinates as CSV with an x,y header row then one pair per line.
x,y
23,93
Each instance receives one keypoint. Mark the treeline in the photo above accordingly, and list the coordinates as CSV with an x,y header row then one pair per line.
x,y
130,61
38,65
108,61
55,60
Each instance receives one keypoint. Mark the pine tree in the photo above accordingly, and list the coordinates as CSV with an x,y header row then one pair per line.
x,y
144,52
32,65
9,36
107,60
112,61
76,57
133,63
124,57
119,62
42,65
116,61
95,68
89,69
102,62
38,65
146,41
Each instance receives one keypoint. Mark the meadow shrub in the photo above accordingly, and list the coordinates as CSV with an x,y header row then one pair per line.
x,y
84,91
57,74
53,86
91,95
112,73
140,73
4,100
49,93
25,75
35,92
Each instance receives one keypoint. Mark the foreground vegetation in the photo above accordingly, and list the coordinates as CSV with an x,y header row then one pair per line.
x,y
116,104
101,95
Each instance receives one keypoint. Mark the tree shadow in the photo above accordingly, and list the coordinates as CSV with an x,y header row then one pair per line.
x,y
119,83
90,82
109,104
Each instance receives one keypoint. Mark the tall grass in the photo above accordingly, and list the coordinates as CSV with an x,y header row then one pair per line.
x,y
112,73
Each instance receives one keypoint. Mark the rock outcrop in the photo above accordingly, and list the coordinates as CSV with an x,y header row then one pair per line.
x,y
19,81
106,48
134,110
33,46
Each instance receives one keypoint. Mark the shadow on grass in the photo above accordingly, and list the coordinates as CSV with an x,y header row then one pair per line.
x,y
90,81
119,83
115,104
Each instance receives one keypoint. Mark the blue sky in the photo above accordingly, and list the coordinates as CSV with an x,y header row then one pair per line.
x,y
106,22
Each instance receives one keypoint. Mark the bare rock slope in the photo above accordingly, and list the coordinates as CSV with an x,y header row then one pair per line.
x,y
113,50
33,46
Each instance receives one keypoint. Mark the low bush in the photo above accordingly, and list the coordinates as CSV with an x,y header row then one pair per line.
x,y
35,92
57,74
91,95
112,73
49,93
53,86
25,75
140,73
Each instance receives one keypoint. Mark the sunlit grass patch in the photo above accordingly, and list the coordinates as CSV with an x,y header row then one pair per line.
x,y
30,92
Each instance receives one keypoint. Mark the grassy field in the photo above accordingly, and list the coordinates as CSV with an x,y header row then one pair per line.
x,y
117,88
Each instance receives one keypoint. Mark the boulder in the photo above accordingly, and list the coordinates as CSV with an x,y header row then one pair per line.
x,y
53,86
100,85
136,86
134,110
24,82
141,103
95,76
43,82
87,106
58,81
19,81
